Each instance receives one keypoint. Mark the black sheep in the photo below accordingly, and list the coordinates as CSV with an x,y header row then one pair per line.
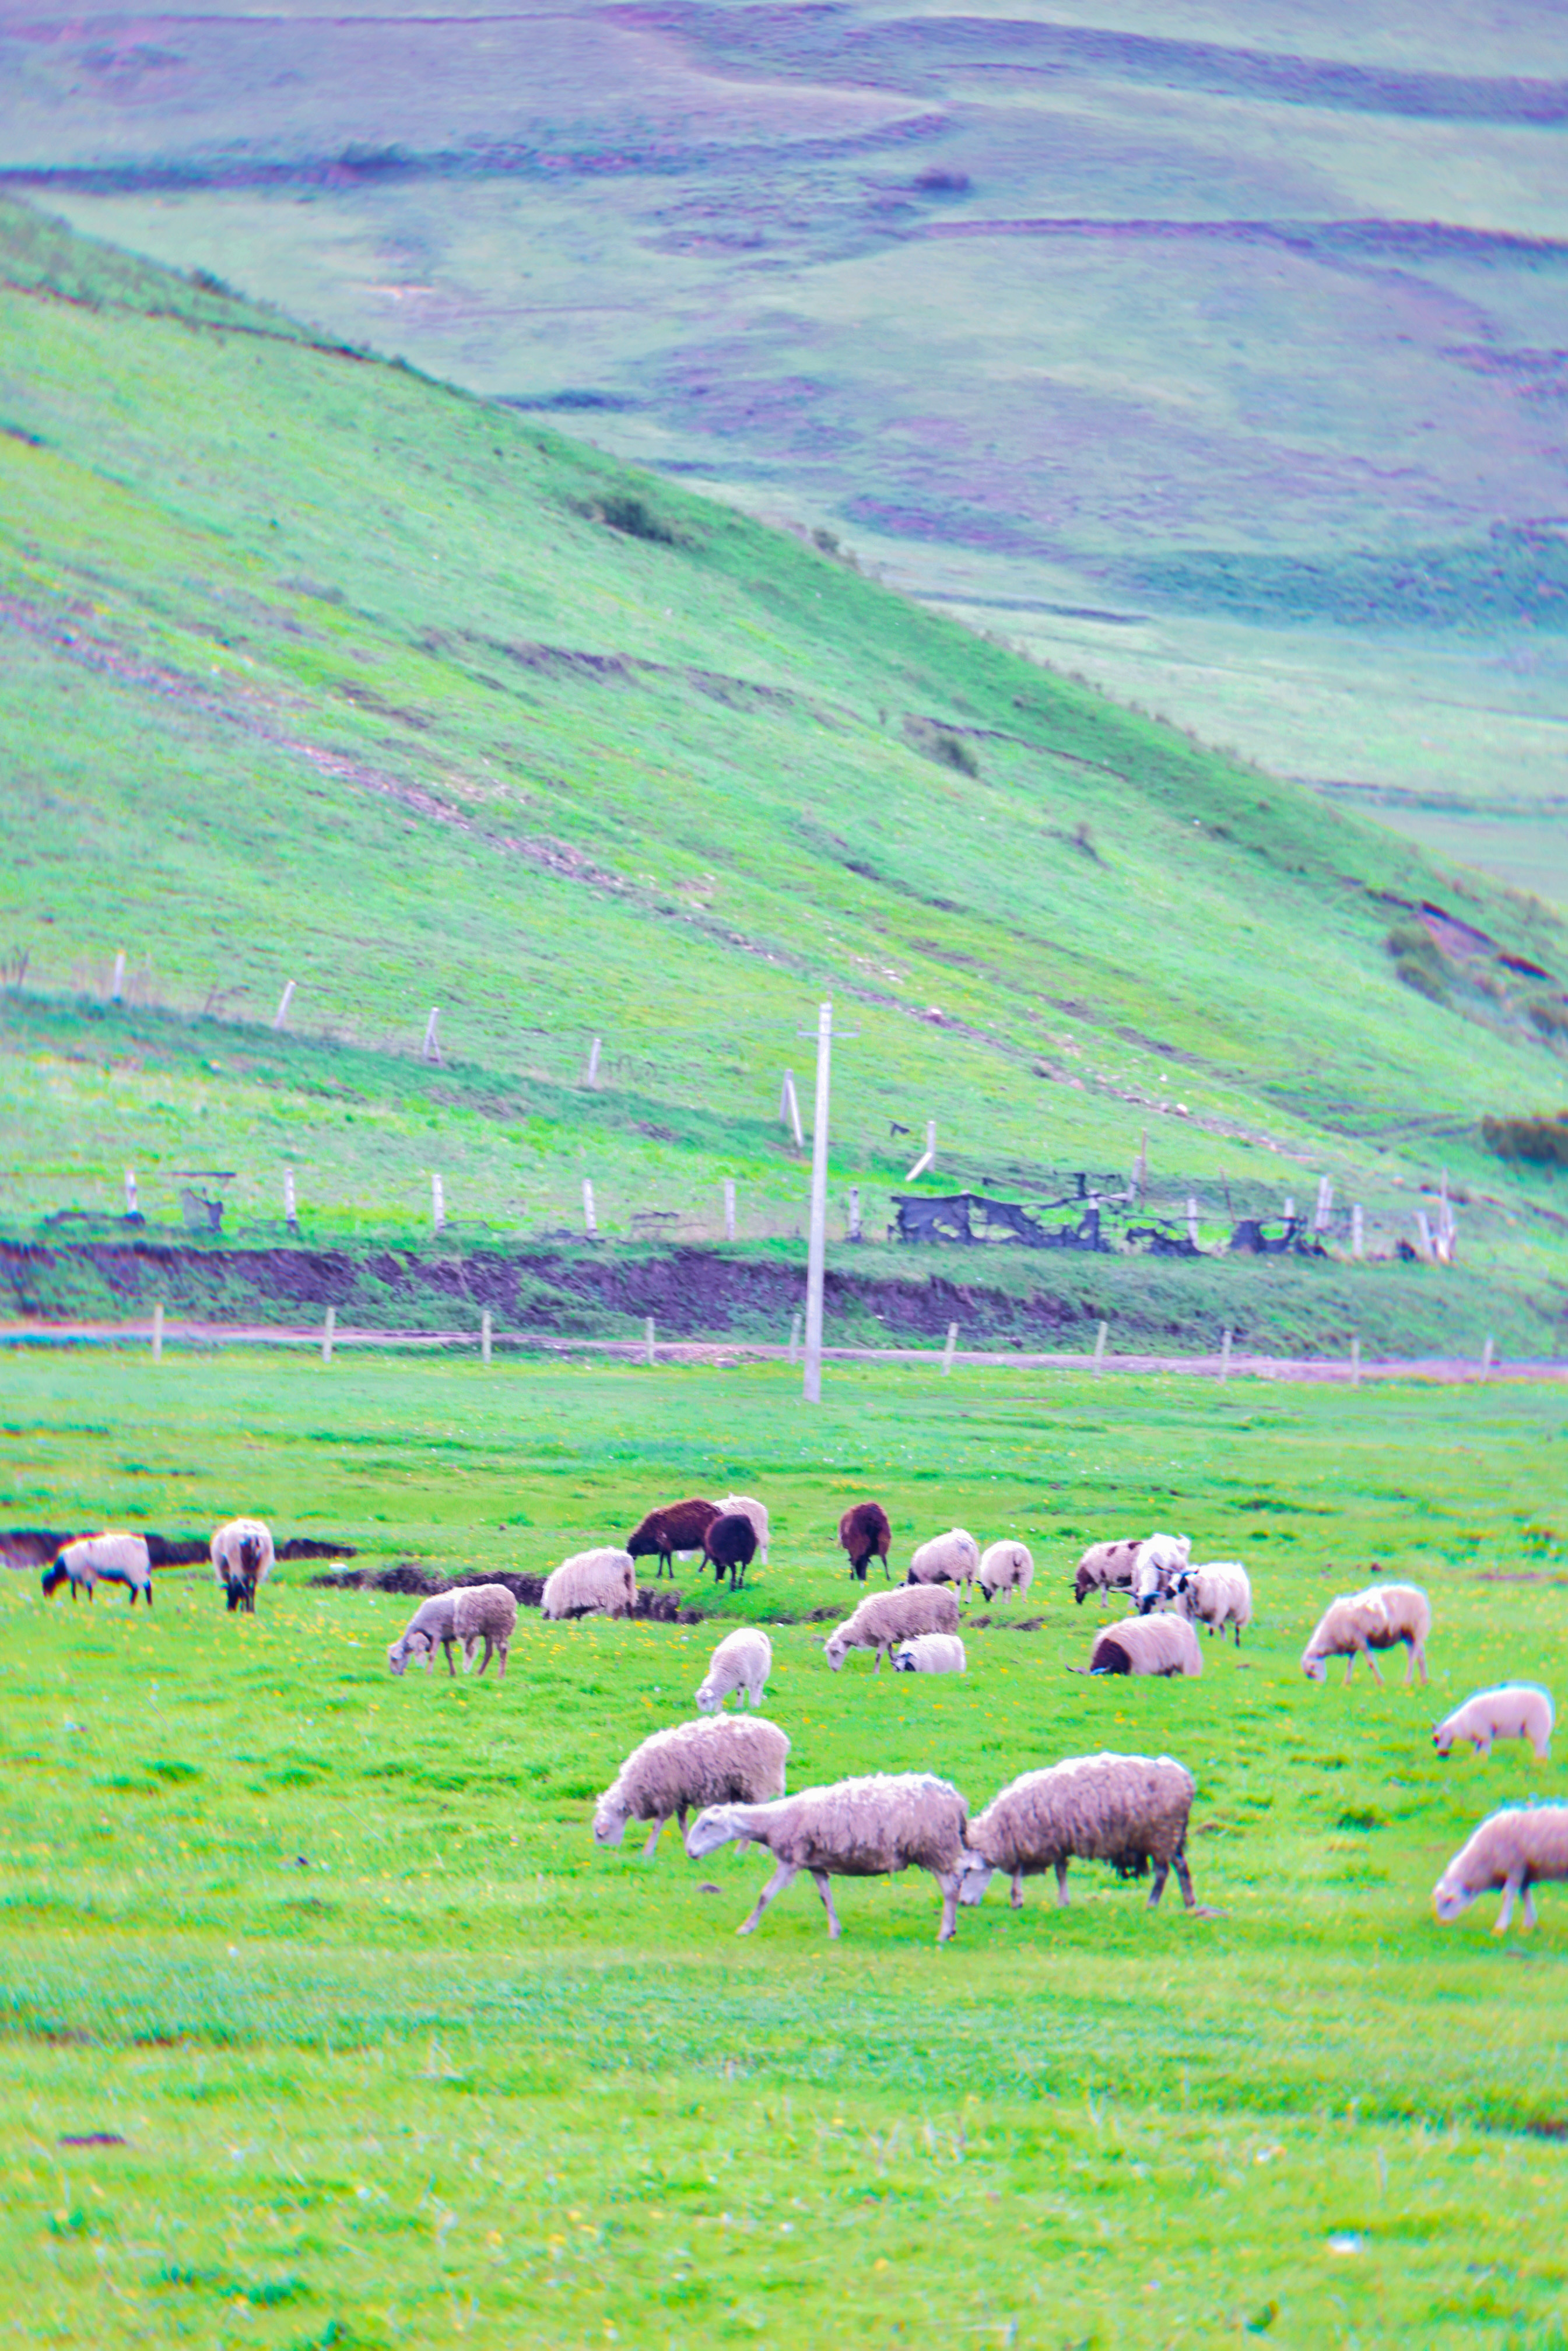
x,y
731,1543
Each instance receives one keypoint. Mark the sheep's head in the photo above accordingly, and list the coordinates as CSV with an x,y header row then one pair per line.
x,y
55,1576
903,1660
397,1657
708,1699
611,1816
1313,1664
1451,1897
1442,1739
836,1651
975,1874
713,1827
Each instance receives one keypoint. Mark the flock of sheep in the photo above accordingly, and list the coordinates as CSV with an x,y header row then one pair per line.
x,y
729,1770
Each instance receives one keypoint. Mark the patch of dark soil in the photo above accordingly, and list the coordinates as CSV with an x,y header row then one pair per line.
x,y
407,1576
313,1547
29,1546
1546,2127
178,1550
1004,1624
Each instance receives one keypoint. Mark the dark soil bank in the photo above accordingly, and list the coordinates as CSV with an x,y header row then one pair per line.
x,y
875,1296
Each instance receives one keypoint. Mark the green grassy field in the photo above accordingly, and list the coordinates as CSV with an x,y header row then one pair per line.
x,y
397,2057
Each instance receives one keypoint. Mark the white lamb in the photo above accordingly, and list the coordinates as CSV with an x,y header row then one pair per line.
x,y
717,1760
952,1558
1511,1710
931,1653
110,1558
1378,1619
602,1583
1007,1567
749,1508
242,1556
1215,1595
856,1828
1161,1559
885,1618
459,1619
1519,1848
742,1661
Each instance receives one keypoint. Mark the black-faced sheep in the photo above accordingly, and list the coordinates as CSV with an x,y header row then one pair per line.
x,y
1216,1595
1519,1848
866,1534
730,1546
110,1558
1106,1567
1147,1644
742,1661
674,1526
242,1557
1511,1710
718,1759
885,1618
856,1828
602,1583
1378,1619
952,1558
1161,1559
931,1653
1128,1810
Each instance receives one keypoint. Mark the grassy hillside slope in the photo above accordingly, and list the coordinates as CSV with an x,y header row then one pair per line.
x,y
317,670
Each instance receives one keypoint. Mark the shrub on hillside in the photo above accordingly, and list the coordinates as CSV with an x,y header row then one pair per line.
x,y
941,744
1417,963
1552,1019
1543,1140
624,511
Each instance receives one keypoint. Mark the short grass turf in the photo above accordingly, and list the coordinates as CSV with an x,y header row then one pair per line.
x,y
384,2052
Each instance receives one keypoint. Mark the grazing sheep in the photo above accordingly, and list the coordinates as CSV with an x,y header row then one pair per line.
x,y
952,1558
432,1627
730,1543
856,1828
1217,1594
242,1561
602,1583
1511,1710
110,1558
1006,1567
721,1760
742,1661
678,1526
749,1508
1522,1847
888,1618
1128,1810
931,1653
488,1613
1359,1622
866,1534
1106,1567
1161,1559
1147,1644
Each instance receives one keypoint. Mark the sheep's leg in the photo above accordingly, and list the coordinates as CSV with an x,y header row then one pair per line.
x,y
1162,1871
1018,1889
1509,1891
501,1647
776,1884
1528,1918
1418,1659
1061,1886
652,1846
1235,1628
1183,1875
824,1886
877,1667
448,1643
948,1881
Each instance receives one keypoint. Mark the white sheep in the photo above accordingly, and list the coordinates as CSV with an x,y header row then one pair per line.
x,y
1128,1810
1147,1644
488,1613
1378,1619
432,1627
1006,1567
749,1508
931,1653
1106,1567
1161,1559
1215,1595
856,1828
952,1558
716,1760
242,1556
885,1618
1511,1710
592,1582
742,1661
108,1558
1522,1847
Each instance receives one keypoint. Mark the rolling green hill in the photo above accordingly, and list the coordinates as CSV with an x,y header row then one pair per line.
x,y
317,670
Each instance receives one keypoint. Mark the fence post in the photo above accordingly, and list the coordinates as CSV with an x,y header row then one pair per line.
x,y
1487,1356
131,1191
1290,1208
437,1202
290,1212
1225,1355
117,986
1424,1232
1356,1362
854,1212
589,1223
948,1350
328,1328
592,1077
280,1018
158,1332
790,1108
794,1338
648,1338
921,1166
1192,1221
1139,1182
1326,1205
1358,1232
729,1207
485,1335
1100,1350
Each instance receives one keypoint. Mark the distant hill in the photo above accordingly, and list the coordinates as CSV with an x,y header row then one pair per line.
x,y
318,671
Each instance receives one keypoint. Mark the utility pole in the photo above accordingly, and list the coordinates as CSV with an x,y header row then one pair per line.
x,y
817,1249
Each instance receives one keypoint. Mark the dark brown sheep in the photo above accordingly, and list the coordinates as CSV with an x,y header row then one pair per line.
x,y
678,1526
731,1543
866,1534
